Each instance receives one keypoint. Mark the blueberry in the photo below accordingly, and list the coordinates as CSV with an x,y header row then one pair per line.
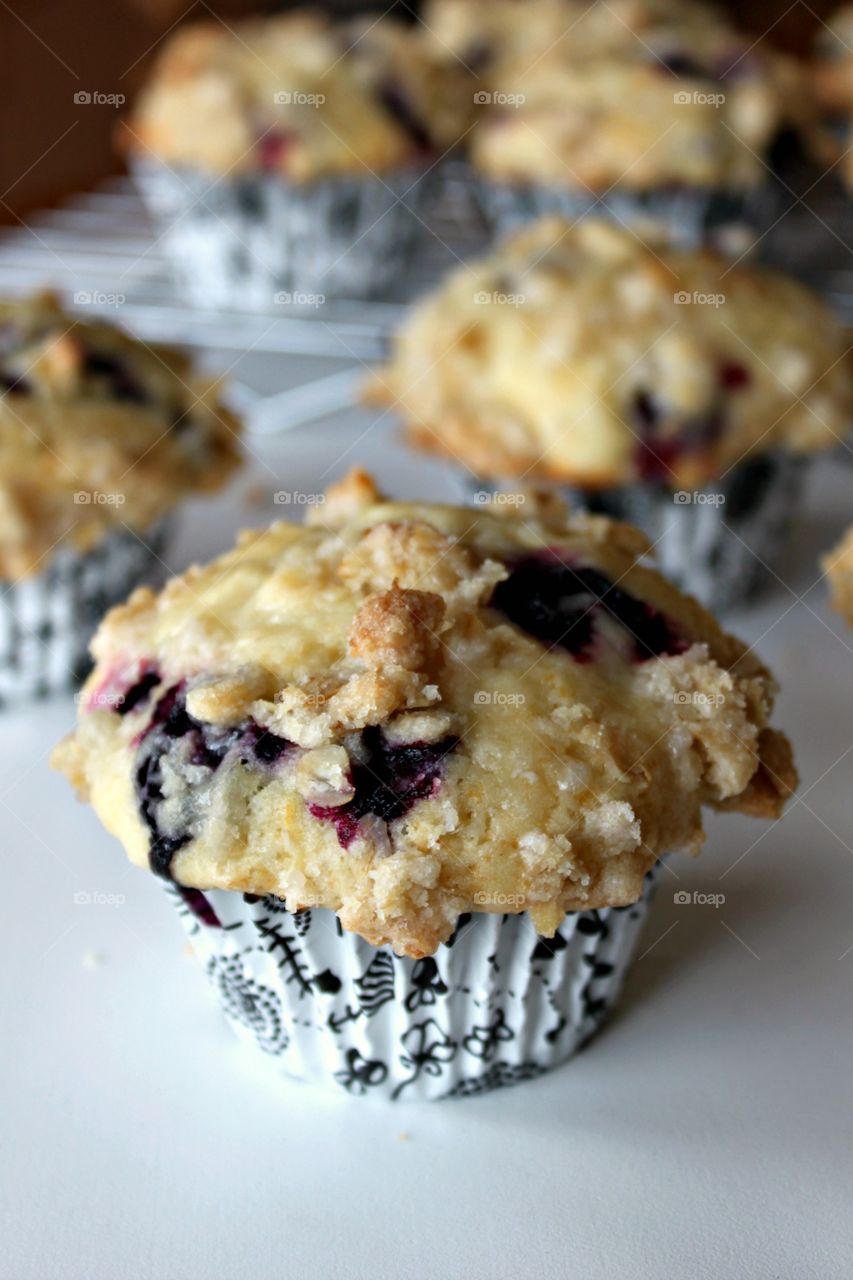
x,y
399,106
561,605
681,64
657,455
173,733
734,376
138,693
120,382
11,384
388,781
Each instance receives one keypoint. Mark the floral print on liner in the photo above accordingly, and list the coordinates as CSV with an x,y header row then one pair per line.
x,y
495,1006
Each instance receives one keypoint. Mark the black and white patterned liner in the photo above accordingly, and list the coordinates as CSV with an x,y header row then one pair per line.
x,y
257,241
688,216
494,1006
724,543
46,622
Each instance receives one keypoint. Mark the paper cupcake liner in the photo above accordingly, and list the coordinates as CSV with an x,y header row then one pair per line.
x,y
46,622
688,215
494,1006
257,241
724,543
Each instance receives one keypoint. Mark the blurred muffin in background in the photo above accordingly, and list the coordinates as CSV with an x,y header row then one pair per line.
x,y
292,153
102,438
662,386
640,106
833,84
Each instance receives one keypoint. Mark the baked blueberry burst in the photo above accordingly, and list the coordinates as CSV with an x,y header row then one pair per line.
x,y
578,608
176,760
387,780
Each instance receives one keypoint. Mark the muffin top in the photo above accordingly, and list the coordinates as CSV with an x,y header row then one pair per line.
x,y
405,712
639,94
98,430
299,96
838,566
581,353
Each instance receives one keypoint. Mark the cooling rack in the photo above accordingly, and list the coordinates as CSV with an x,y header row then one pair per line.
x,y
101,252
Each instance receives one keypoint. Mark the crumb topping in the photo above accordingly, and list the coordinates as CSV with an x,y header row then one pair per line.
x,y
347,716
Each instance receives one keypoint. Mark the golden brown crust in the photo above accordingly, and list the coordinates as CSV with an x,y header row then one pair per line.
x,y
299,96
379,735
578,353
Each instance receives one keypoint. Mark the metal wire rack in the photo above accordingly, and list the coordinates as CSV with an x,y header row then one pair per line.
x,y
100,251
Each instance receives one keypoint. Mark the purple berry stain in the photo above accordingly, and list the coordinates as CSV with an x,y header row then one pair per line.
x,y
561,604
400,108
659,453
388,782
202,745
200,907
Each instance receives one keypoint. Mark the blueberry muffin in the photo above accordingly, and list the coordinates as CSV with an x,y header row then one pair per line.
x,y
469,736
833,83
639,106
291,152
664,385
102,438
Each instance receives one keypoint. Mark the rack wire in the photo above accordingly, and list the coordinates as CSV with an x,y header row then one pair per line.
x,y
101,252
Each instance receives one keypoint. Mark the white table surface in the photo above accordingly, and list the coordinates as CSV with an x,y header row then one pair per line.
x,y
705,1133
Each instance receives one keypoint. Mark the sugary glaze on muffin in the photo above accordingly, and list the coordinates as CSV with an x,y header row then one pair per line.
x,y
838,566
299,96
637,94
582,353
98,430
404,712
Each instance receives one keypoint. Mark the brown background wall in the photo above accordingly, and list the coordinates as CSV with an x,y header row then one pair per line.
x,y
50,144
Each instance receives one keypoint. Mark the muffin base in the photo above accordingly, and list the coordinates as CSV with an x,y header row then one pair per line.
x,y
46,622
496,1004
258,242
723,543
688,215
